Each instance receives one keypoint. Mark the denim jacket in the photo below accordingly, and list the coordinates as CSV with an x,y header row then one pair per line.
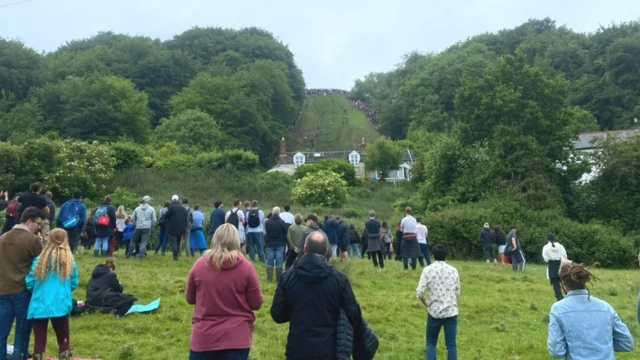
x,y
581,329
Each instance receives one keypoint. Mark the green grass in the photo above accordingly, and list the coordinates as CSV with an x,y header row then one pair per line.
x,y
331,123
502,315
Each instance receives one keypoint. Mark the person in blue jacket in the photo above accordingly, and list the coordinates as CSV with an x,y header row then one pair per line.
x,y
52,279
72,217
127,233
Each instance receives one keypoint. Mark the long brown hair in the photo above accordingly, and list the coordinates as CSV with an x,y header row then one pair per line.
x,y
576,276
56,256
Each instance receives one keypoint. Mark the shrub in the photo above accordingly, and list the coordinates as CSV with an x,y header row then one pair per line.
x,y
341,167
239,160
125,197
324,188
128,155
459,227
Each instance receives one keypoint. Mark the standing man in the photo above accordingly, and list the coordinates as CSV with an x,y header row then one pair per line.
x,y
374,239
293,235
514,249
46,225
185,239
312,226
72,218
310,297
331,229
255,232
275,243
343,239
442,282
410,248
144,219
236,217
33,198
287,216
176,225
488,240
422,234
18,248
216,218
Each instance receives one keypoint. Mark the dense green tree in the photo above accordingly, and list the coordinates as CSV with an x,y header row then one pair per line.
x,y
341,167
21,69
383,155
191,129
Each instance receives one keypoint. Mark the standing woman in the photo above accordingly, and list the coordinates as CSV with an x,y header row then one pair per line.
x,y
196,238
52,279
121,216
225,290
387,237
501,241
553,253
582,326
163,238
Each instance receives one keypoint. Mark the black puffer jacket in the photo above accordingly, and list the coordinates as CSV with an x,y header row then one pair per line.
x,y
359,342
310,297
354,238
176,218
104,292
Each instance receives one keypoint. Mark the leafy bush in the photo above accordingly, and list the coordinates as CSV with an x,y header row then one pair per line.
x,y
341,167
129,155
459,227
324,188
125,197
239,160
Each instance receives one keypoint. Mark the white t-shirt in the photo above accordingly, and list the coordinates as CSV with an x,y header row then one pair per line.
x,y
408,224
421,234
287,217
240,215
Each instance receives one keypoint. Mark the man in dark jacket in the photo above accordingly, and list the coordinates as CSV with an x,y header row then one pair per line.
x,y
275,243
343,238
217,218
176,218
104,233
331,229
310,297
312,226
488,240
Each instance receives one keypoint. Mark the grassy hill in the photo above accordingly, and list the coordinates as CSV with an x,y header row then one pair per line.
x,y
331,123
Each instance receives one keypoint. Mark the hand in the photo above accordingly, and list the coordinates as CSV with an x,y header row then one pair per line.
x,y
296,250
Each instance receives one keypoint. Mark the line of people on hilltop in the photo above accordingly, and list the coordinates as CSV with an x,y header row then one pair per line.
x,y
366,110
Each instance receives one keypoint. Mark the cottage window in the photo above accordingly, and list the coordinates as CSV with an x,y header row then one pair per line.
x,y
354,159
298,160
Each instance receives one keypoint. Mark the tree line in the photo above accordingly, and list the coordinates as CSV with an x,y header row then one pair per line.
x,y
207,89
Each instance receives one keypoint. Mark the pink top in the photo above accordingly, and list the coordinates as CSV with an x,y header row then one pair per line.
x,y
224,300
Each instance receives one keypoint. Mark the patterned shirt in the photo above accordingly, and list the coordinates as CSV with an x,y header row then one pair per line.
x,y
442,282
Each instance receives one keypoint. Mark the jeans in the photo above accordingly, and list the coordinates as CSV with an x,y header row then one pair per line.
x,y
139,236
387,250
425,251
15,306
255,241
433,331
102,242
73,236
380,257
357,249
275,254
163,239
231,354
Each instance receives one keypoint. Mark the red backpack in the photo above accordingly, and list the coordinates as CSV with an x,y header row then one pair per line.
x,y
13,209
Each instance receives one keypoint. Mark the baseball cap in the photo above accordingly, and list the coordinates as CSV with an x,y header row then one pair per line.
x,y
175,198
311,217
372,213
486,225
146,198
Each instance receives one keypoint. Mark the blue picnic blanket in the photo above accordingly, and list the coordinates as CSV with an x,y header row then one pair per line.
x,y
137,308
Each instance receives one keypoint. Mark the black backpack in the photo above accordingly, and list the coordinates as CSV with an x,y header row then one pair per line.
x,y
254,218
234,219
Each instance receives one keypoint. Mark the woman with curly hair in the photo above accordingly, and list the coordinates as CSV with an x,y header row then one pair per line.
x,y
582,326
52,278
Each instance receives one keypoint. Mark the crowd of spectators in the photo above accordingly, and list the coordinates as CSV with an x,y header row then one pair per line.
x,y
366,110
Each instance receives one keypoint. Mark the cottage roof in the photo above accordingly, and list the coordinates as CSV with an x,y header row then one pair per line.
x,y
589,140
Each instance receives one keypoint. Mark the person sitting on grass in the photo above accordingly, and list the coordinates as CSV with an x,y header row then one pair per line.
x,y
582,326
52,279
104,291
442,282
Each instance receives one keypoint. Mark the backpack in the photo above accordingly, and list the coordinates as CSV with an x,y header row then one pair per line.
x,y
101,217
254,218
234,219
13,209
69,215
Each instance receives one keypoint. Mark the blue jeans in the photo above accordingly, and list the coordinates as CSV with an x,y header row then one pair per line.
x,y
102,242
163,240
275,254
15,306
357,248
425,251
433,331
255,241
232,354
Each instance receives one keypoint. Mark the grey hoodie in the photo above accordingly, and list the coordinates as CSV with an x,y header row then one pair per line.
x,y
144,217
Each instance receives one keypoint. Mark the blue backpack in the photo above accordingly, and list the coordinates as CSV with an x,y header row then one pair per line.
x,y
69,215
101,217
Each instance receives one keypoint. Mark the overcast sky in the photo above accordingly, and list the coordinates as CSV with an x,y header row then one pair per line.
x,y
334,42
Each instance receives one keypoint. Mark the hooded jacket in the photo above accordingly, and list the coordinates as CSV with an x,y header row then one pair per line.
x,y
310,297
305,232
487,237
144,217
176,218
104,292
331,229
554,256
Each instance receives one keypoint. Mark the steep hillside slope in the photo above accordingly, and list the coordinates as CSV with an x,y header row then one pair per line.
x,y
331,123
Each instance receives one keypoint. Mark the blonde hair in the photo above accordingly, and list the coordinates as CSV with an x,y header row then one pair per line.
x,y
120,214
56,256
225,247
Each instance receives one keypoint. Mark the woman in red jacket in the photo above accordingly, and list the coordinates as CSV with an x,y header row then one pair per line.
x,y
225,290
